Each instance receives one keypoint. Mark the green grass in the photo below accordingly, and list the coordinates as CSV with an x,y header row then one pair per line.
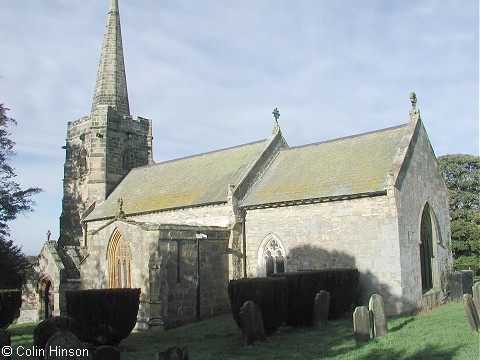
x,y
442,333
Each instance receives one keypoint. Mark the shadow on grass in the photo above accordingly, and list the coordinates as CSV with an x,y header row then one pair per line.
x,y
401,325
426,353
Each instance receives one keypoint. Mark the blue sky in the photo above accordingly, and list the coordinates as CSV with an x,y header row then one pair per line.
x,y
209,73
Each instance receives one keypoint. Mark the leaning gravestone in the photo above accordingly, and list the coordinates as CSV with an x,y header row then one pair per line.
x,y
106,352
4,341
379,315
64,346
471,312
173,353
252,323
476,296
361,325
321,306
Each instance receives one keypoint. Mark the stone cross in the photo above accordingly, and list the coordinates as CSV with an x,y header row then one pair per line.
x,y
361,325
471,312
252,323
321,306
476,296
377,306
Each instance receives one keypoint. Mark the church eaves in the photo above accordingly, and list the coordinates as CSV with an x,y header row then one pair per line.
x,y
111,84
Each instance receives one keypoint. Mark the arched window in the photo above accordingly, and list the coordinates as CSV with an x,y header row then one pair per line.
x,y
426,249
83,162
272,257
119,258
128,159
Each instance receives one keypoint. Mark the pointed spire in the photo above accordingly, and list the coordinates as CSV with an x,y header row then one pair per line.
x,y
111,85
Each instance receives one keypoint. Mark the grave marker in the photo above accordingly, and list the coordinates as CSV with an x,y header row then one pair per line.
x,y
252,323
471,311
361,325
321,306
379,315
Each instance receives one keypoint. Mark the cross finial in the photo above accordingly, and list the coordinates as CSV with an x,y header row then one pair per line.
x,y
276,114
414,112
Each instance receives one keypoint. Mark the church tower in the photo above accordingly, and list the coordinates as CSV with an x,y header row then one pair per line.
x,y
103,147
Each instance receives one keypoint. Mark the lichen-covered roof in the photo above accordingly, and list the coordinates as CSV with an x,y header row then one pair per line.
x,y
191,181
347,166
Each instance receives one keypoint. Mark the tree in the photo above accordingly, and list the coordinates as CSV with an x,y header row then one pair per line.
x,y
462,176
13,201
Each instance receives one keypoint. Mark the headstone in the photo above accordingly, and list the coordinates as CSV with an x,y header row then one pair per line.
x,y
64,345
361,325
471,311
459,283
173,353
106,352
48,327
467,281
252,323
5,339
321,306
379,315
476,296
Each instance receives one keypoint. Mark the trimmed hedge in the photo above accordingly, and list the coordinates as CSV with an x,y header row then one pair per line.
x,y
342,285
104,316
270,294
10,302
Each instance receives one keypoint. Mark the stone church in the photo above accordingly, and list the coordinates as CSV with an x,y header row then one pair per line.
x,y
181,229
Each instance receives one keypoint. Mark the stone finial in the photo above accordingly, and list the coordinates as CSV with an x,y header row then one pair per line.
x,y
120,213
49,234
276,114
414,112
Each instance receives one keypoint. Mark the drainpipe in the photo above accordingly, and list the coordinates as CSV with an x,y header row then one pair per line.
x,y
198,236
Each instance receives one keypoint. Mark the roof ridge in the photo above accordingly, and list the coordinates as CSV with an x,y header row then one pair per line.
x,y
344,137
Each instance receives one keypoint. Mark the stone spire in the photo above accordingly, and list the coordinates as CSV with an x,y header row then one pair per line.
x,y
111,85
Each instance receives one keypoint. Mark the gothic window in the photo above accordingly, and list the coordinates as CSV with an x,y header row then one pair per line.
x,y
426,249
128,159
119,258
83,161
273,257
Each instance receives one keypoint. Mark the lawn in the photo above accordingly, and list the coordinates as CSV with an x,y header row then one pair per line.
x,y
442,333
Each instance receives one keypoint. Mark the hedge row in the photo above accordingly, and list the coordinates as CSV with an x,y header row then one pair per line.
x,y
270,294
342,285
10,302
104,316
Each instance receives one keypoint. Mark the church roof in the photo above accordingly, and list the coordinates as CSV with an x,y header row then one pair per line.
x,y
342,167
191,181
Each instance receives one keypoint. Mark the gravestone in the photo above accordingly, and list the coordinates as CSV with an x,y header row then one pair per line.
x,y
106,352
321,306
63,345
173,353
471,311
252,323
476,296
5,339
379,315
459,283
48,327
361,325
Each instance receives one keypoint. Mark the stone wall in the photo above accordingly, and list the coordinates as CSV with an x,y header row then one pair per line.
x,y
420,182
357,233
